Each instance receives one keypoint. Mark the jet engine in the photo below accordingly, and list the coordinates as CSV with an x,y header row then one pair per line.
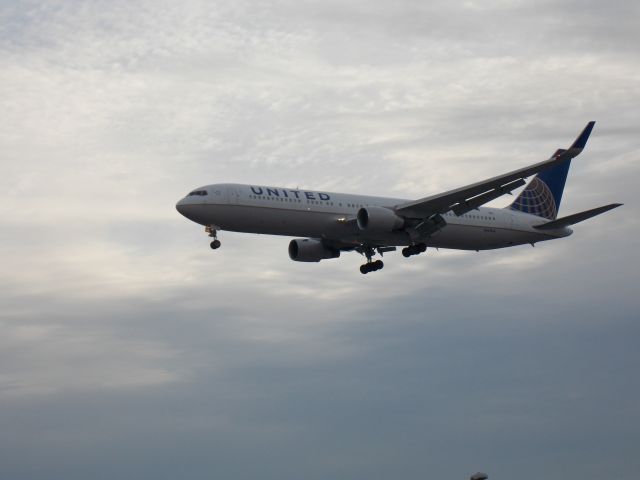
x,y
378,219
310,250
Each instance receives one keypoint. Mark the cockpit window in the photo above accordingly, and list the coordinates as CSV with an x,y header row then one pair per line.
x,y
197,192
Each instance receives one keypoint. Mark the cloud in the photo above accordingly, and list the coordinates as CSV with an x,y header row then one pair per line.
x,y
124,337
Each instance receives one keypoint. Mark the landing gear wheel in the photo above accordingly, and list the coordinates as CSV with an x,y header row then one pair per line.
x,y
215,244
371,267
416,249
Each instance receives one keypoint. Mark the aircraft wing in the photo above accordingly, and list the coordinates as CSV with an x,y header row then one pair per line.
x,y
461,200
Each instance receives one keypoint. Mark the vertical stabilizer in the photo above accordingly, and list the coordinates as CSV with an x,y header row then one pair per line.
x,y
543,194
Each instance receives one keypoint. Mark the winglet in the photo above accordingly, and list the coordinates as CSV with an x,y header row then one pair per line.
x,y
581,141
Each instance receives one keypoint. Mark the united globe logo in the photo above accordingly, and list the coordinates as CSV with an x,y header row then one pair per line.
x,y
536,199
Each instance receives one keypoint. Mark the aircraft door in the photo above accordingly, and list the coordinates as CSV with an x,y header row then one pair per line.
x,y
233,193
220,194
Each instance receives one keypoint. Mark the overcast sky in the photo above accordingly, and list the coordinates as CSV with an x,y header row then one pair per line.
x,y
129,349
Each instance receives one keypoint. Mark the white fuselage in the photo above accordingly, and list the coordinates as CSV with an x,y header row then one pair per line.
x,y
331,216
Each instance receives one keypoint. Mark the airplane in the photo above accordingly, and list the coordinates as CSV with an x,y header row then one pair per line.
x,y
330,223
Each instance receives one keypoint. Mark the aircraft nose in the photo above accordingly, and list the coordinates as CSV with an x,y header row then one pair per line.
x,y
181,206
187,210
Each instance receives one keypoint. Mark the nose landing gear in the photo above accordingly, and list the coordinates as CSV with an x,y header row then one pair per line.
x,y
213,233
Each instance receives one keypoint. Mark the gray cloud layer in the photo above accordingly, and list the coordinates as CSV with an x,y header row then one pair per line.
x,y
128,348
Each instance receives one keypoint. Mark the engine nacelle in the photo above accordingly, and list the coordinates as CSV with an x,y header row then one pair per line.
x,y
378,219
310,250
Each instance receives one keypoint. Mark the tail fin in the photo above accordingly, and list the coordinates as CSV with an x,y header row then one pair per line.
x,y
543,194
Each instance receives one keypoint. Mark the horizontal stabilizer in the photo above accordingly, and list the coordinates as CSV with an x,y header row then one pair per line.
x,y
576,217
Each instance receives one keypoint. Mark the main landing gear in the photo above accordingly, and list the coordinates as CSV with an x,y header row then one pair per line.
x,y
370,266
213,233
416,249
